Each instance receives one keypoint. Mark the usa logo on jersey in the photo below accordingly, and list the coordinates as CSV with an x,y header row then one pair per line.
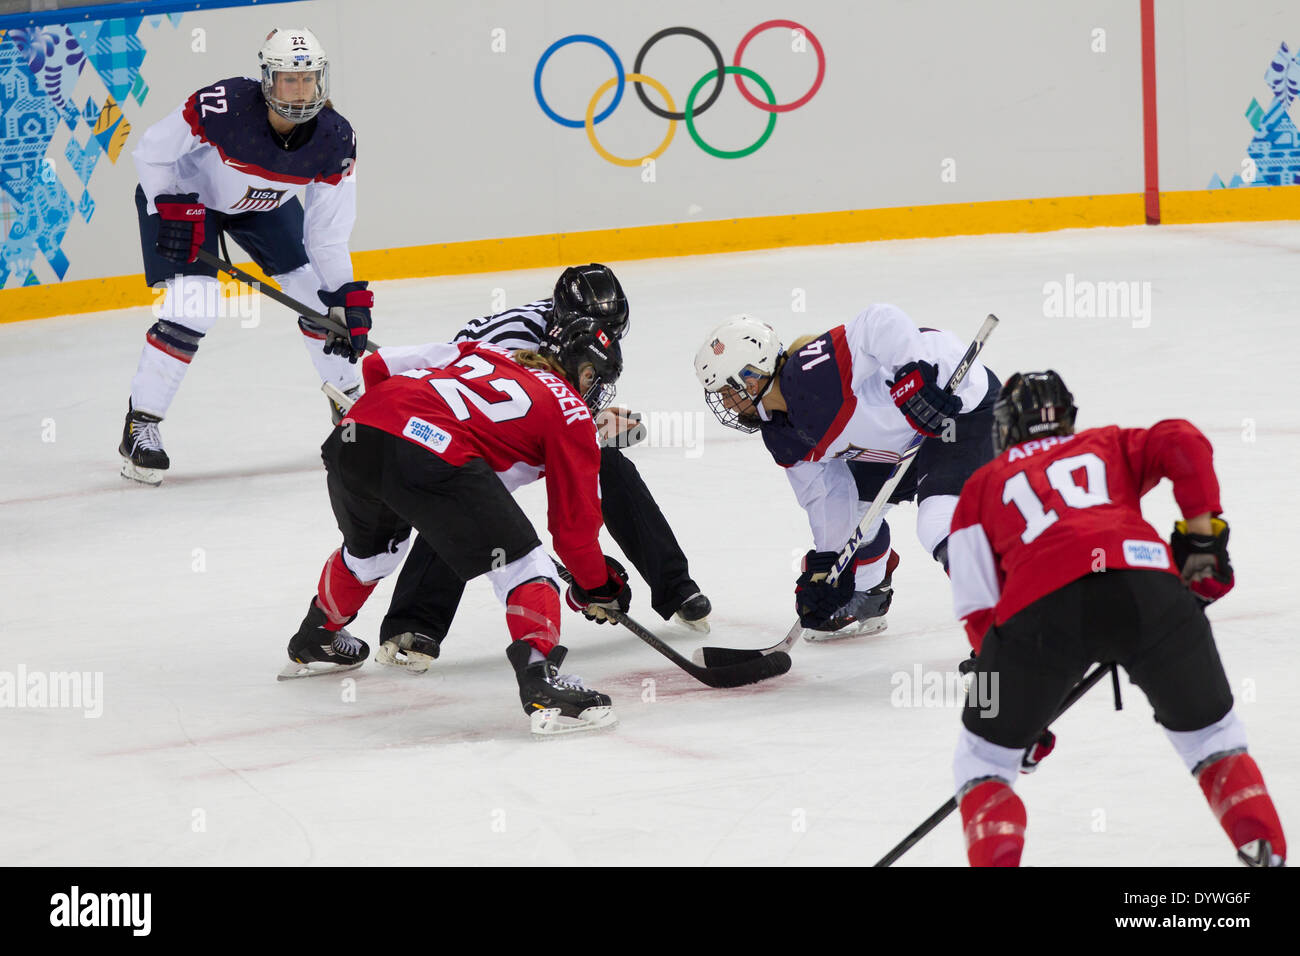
x,y
260,200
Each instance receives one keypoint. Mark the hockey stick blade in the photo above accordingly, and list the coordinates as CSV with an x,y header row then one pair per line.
x,y
730,675
723,656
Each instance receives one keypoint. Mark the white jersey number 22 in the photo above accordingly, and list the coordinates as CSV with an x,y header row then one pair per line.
x,y
515,405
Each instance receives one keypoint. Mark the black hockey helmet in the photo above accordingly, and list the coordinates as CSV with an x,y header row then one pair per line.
x,y
587,342
590,292
1031,405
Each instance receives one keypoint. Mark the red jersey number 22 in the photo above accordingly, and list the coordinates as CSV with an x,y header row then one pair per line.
x,y
1060,475
459,396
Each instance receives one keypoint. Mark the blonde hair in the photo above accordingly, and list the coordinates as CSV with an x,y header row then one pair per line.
x,y
530,358
799,343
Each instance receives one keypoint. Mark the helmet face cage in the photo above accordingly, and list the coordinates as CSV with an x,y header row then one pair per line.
x,y
289,60
591,292
743,417
1029,406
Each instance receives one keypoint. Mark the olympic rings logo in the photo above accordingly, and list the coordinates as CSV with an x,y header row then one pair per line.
x,y
690,111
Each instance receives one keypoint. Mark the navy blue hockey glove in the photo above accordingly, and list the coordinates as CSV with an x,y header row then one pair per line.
x,y
613,595
918,396
1202,559
349,305
180,226
815,600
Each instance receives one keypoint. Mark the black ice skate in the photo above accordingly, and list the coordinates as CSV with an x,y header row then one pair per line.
x,y
314,650
864,613
410,651
694,612
1259,853
557,704
143,458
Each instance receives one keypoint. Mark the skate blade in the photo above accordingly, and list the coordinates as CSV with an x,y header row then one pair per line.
x,y
550,722
146,476
413,662
702,625
293,670
873,625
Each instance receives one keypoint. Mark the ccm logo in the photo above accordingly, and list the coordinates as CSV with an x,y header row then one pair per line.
x,y
902,388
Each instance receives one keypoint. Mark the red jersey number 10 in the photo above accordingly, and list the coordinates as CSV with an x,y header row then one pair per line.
x,y
1060,475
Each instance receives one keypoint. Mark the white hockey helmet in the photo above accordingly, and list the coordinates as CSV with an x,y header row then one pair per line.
x,y
739,351
294,51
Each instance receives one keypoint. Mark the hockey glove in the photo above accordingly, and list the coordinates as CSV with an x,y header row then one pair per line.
x,y
1036,751
816,600
613,595
180,229
1203,560
349,306
925,405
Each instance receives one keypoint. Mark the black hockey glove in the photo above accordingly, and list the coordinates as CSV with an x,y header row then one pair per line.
x,y
925,405
1036,751
1202,559
815,600
180,226
613,595
349,305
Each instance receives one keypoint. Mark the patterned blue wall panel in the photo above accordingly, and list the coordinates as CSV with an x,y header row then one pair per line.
x,y
1275,148
40,67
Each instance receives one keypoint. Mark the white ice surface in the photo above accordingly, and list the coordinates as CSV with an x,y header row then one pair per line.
x,y
201,757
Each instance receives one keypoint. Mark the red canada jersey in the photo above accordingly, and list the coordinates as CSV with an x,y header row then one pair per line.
x,y
1049,511
470,400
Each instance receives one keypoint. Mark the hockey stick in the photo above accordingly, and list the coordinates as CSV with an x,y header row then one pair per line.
x,y
721,656
942,813
727,675
276,295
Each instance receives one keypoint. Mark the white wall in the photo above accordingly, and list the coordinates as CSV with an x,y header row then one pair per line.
x,y
453,146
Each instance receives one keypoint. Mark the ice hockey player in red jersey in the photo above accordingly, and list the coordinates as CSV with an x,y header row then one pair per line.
x,y
836,411
235,158
1053,568
442,435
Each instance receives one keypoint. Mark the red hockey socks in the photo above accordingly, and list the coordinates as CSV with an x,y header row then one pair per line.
x,y
533,615
1234,788
993,821
339,594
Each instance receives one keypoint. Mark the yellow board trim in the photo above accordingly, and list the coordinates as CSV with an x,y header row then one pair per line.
x,y
715,236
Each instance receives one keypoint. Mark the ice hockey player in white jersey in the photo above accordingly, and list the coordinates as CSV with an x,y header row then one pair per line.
x,y
235,158
836,411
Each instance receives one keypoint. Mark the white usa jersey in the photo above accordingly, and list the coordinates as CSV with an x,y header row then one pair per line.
x,y
839,410
220,145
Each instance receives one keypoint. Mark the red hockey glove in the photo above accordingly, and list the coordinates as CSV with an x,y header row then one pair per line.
x,y
925,405
1036,751
180,229
613,595
350,306
1203,560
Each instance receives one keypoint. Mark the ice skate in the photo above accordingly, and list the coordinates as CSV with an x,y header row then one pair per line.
x,y
143,457
694,613
555,703
314,651
864,613
1259,853
412,652
337,410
